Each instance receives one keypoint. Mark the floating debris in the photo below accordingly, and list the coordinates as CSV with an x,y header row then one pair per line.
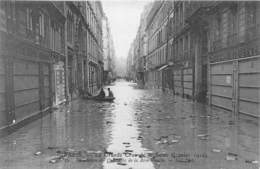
x,y
121,163
114,160
174,141
216,150
109,122
52,147
129,125
178,137
202,135
204,138
128,150
208,116
82,159
38,153
126,143
231,157
252,161
139,138
184,160
55,159
93,152
164,141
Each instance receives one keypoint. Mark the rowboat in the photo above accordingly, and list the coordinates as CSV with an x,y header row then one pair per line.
x,y
108,99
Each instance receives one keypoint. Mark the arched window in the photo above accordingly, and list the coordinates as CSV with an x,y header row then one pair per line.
x,y
250,13
70,27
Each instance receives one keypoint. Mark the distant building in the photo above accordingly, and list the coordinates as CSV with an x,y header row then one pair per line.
x,y
109,52
138,52
130,71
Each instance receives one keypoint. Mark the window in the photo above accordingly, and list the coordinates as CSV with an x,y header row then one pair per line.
x,y
41,24
70,27
21,21
251,13
242,24
218,28
29,24
224,28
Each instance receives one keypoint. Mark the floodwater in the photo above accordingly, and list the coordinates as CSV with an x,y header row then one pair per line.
x,y
141,129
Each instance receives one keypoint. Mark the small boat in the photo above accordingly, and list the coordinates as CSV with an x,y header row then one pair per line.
x,y
108,99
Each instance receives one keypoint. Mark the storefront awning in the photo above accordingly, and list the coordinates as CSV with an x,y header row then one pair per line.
x,y
162,67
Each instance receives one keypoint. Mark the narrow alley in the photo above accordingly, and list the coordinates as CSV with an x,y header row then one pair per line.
x,y
129,84
141,129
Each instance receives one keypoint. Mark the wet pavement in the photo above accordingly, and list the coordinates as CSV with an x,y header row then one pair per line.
x,y
141,129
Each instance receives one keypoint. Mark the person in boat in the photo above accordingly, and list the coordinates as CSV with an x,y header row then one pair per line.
x,y
101,93
110,93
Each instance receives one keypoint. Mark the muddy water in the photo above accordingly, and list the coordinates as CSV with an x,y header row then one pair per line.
x,y
141,129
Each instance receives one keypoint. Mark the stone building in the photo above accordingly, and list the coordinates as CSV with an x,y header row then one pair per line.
x,y
51,51
94,65
207,51
109,53
32,59
233,50
130,64
139,50
157,31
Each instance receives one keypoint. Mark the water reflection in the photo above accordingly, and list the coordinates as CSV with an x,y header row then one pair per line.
x,y
137,122
125,139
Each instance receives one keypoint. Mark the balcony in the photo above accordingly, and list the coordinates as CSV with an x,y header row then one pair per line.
x,y
199,8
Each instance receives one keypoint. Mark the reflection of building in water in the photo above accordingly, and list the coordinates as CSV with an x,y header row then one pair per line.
x,y
59,83
121,142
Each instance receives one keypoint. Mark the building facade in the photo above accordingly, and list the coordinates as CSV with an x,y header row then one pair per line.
x,y
51,51
157,31
207,51
130,64
109,53
138,51
32,59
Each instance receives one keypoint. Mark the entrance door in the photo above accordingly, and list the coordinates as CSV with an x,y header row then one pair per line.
x,y
204,85
9,90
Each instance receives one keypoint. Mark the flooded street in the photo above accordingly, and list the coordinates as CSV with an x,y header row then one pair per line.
x,y
141,129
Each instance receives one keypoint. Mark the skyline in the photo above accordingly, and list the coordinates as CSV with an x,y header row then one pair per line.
x,y
123,17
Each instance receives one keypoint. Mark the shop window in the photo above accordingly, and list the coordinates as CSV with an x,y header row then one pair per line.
x,y
21,21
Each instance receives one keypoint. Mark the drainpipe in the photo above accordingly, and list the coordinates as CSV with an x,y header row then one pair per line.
x,y
66,61
165,78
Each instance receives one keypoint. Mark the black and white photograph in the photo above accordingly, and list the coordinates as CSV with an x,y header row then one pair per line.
x,y
129,84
